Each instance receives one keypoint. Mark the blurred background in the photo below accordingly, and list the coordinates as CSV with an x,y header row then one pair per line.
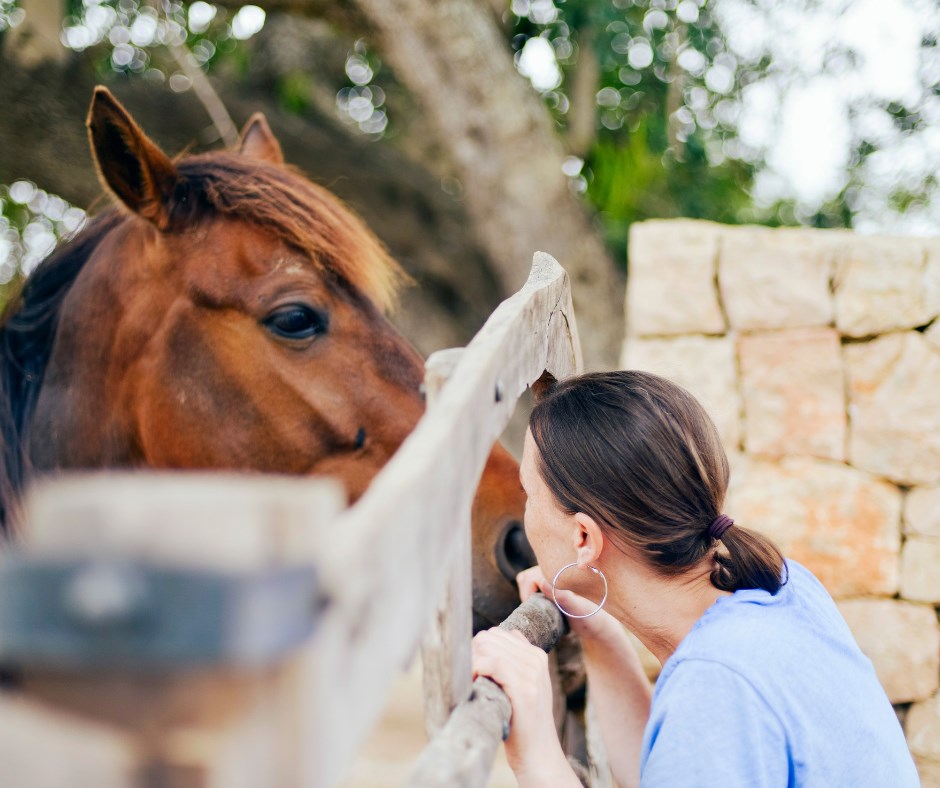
x,y
470,134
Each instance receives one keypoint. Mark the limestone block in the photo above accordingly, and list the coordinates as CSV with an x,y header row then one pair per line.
x,y
894,407
705,366
923,728
794,393
775,278
671,280
920,570
841,523
903,642
883,284
922,512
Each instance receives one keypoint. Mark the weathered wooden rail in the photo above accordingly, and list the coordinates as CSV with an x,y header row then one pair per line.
x,y
375,578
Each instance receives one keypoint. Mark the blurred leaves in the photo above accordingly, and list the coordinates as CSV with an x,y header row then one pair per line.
x,y
660,107
711,109
817,112
32,221
125,35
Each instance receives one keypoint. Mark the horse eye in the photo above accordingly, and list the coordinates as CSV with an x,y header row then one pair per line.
x,y
296,321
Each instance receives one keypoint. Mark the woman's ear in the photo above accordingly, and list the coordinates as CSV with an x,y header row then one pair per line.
x,y
590,540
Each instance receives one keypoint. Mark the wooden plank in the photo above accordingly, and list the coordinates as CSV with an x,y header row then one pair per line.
x,y
208,728
445,648
391,550
386,559
601,776
461,755
40,746
231,522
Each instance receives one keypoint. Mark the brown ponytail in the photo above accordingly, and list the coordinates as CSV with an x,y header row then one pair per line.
x,y
640,455
751,560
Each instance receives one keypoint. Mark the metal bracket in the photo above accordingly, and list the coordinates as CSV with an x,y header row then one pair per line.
x,y
100,613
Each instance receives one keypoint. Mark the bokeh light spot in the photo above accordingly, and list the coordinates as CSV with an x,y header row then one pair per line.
x,y
248,21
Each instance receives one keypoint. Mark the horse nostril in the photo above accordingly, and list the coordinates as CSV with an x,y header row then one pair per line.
x,y
513,552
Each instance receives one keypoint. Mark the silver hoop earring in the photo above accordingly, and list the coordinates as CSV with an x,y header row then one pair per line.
x,y
600,604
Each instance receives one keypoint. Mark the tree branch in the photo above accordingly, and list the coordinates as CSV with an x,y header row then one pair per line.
x,y
453,57
582,102
206,94
344,15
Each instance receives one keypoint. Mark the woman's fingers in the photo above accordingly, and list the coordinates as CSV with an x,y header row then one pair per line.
x,y
504,656
530,581
574,603
509,642
521,669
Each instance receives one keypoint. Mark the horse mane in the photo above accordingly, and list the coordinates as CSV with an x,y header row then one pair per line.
x,y
278,198
27,330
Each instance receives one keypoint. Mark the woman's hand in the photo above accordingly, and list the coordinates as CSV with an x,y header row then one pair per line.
x,y
521,669
620,692
601,627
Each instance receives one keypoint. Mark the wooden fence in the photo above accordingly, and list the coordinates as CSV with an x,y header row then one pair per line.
x,y
250,705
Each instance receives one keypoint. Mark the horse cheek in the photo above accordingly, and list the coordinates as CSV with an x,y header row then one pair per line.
x,y
191,412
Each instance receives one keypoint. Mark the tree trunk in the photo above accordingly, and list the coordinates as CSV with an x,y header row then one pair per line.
x,y
36,39
582,104
455,60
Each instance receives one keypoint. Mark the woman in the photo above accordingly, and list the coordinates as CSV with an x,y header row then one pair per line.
x,y
762,683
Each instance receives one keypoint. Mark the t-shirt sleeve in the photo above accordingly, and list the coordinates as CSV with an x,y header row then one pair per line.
x,y
710,727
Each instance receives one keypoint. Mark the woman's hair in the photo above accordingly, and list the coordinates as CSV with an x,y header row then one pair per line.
x,y
641,456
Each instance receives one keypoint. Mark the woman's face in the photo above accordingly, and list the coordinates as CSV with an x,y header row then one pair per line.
x,y
550,531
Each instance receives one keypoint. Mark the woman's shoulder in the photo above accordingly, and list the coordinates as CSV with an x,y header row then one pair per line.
x,y
790,659
752,628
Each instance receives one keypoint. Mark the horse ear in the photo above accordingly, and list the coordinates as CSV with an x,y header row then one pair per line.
x,y
259,142
129,164
543,385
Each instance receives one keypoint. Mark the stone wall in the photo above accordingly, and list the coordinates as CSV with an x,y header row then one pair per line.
x,y
817,353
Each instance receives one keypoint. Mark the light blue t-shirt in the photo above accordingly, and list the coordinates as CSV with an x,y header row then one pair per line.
x,y
773,691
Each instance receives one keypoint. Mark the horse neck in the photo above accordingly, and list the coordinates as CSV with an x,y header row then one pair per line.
x,y
27,335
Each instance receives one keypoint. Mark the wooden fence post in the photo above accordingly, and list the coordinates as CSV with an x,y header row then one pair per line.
x,y
219,726
461,755
380,565
389,556
445,648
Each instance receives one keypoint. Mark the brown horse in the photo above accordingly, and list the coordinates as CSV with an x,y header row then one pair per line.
x,y
228,314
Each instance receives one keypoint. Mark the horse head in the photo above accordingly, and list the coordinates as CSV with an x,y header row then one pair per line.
x,y
226,314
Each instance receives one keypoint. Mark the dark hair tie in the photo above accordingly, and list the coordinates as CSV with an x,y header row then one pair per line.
x,y
721,524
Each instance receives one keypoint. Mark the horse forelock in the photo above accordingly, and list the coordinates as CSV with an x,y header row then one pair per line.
x,y
302,214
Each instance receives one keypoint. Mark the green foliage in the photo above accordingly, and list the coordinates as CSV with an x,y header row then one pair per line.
x,y
32,221
128,36
661,106
10,14
293,91
677,76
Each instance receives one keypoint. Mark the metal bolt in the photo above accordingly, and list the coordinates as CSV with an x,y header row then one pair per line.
x,y
106,595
